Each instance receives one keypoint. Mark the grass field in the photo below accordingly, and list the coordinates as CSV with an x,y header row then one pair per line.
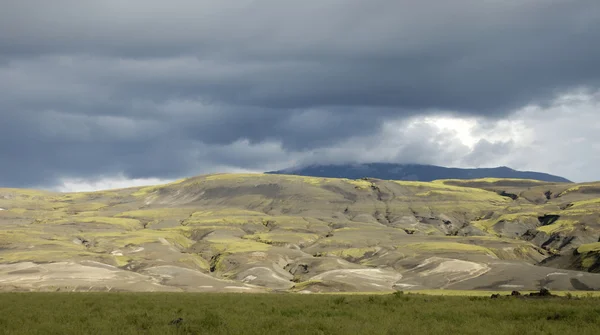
x,y
135,313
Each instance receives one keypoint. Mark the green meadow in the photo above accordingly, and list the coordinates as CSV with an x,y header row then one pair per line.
x,y
176,313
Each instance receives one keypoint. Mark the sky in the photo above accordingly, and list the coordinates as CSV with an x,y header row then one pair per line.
x,y
111,93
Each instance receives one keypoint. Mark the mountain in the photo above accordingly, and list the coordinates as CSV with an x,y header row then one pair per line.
x,y
265,233
416,172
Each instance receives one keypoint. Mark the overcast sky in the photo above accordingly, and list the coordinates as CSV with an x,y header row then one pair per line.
x,y
116,93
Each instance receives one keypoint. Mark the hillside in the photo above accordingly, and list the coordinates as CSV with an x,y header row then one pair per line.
x,y
253,232
416,172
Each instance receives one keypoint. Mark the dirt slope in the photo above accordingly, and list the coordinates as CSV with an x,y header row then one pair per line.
x,y
246,233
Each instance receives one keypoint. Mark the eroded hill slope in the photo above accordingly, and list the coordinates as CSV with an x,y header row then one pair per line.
x,y
253,232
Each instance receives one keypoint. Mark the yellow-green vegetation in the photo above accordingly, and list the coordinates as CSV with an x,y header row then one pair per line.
x,y
121,261
434,186
587,248
86,207
283,237
220,212
43,255
575,212
352,253
75,196
489,181
84,313
313,181
150,189
590,202
559,226
473,207
36,246
488,224
150,217
464,195
591,254
308,180
28,199
236,245
87,196
487,238
224,216
18,210
588,261
195,262
124,223
447,247
305,284
157,213
219,220
41,204
579,188
231,216
33,238
110,241
130,224
570,190
359,184
317,181
227,177
188,231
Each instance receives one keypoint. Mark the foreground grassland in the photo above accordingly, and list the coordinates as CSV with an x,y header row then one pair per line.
x,y
139,313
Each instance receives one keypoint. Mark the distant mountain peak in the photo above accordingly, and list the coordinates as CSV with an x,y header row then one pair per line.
x,y
417,172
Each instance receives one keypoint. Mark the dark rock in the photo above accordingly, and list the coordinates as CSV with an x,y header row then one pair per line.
x,y
495,296
529,235
548,219
508,195
567,206
409,231
176,322
213,262
553,238
566,242
515,294
542,293
84,242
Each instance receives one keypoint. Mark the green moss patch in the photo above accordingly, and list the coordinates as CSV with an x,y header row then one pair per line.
x,y
140,237
124,223
447,247
585,203
559,226
488,224
278,238
236,245
587,248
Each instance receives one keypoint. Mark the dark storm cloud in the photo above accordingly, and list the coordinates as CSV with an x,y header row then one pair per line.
x,y
155,88
485,151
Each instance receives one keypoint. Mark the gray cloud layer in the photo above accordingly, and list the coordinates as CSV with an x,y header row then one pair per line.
x,y
164,89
